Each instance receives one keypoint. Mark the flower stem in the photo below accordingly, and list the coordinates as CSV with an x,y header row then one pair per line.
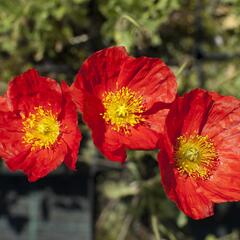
x,y
154,222
182,67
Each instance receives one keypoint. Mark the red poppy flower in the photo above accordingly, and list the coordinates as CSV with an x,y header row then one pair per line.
x,y
122,100
199,156
41,131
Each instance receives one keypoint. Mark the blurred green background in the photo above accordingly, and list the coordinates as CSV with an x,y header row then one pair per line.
x,y
199,40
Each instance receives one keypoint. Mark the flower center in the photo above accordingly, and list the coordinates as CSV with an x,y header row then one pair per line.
x,y
41,128
123,109
195,156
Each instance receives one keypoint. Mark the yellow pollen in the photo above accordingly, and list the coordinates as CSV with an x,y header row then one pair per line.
x,y
195,156
123,109
41,128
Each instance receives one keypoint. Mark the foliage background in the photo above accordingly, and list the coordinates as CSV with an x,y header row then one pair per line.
x,y
200,42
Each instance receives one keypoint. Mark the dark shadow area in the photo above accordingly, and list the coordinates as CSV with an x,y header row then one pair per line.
x,y
31,209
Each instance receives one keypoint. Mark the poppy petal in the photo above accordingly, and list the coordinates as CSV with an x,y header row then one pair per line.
x,y
183,191
45,161
29,90
224,184
150,77
71,134
5,105
11,135
223,115
106,139
100,71
196,106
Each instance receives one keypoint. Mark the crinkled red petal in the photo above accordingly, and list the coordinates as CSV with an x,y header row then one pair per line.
x,y
223,128
30,90
107,140
223,186
151,127
150,78
73,148
41,163
71,134
193,203
156,117
5,104
77,97
140,137
188,114
223,115
11,135
182,190
99,73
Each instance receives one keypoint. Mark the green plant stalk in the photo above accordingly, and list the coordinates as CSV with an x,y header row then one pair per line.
x,y
154,223
131,20
182,67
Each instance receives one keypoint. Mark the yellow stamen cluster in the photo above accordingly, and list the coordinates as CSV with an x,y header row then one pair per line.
x,y
123,109
195,156
41,128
